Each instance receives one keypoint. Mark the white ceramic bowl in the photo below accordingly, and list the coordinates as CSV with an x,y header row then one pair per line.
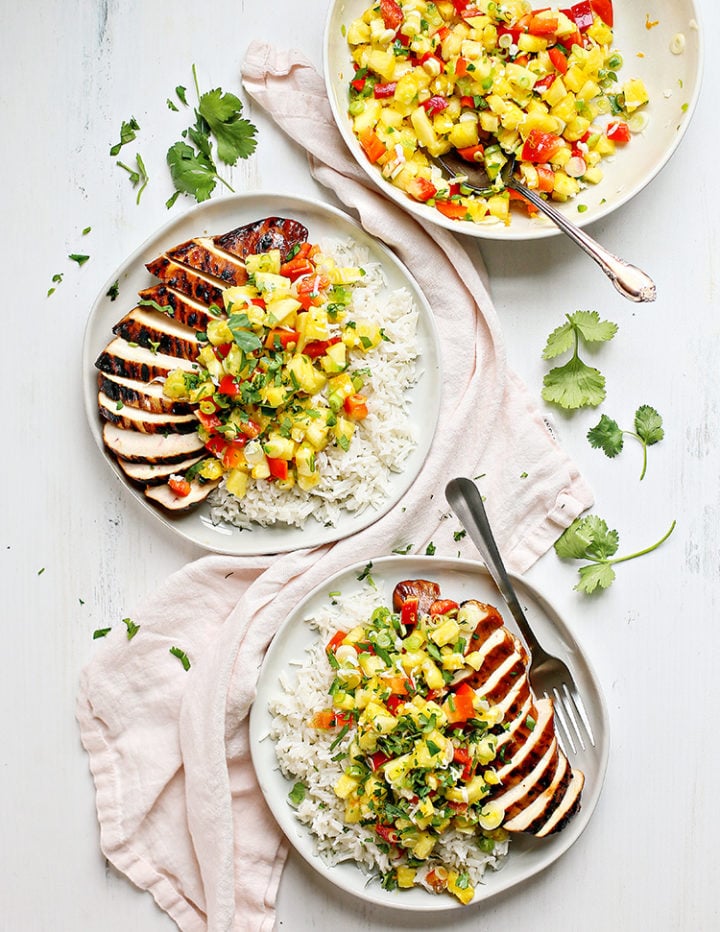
x,y
672,80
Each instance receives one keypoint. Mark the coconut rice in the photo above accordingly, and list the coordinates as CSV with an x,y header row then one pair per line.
x,y
305,755
357,479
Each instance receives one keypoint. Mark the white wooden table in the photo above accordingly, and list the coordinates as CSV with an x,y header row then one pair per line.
x,y
77,552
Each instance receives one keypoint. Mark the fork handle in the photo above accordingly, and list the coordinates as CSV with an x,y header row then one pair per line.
x,y
629,280
465,500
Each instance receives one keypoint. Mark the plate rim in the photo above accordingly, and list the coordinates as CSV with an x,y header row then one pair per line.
x,y
281,203
499,232
260,740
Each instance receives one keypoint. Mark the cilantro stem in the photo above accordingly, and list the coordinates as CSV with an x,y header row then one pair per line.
x,y
641,553
195,79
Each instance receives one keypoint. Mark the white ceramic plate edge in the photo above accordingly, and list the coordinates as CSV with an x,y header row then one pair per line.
x,y
527,856
235,210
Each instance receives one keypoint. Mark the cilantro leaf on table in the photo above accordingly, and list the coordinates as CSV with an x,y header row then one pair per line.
x,y
218,118
235,136
128,131
575,384
192,172
138,176
589,538
607,435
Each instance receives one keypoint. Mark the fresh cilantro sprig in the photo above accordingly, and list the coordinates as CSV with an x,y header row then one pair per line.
x,y
608,436
575,384
218,117
589,538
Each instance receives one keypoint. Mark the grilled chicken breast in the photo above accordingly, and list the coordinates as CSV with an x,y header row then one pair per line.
x,y
539,791
151,436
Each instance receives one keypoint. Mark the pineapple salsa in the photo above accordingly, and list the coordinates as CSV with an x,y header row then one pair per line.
x,y
494,81
419,743
275,384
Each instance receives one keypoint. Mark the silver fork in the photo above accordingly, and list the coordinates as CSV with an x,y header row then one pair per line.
x,y
548,675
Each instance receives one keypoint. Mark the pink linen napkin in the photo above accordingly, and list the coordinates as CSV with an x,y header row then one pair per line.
x,y
179,807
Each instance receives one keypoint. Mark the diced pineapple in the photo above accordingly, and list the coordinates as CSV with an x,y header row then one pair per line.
x,y
358,32
308,482
528,43
565,186
281,311
464,892
383,63
463,135
346,786
369,116
305,460
499,206
218,332
405,877
237,483
264,262
335,359
635,94
301,370
316,434
425,131
278,447
272,285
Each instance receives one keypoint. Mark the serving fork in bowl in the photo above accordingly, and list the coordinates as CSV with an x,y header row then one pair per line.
x,y
549,676
629,280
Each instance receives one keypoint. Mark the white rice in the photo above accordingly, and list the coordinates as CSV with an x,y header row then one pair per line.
x,y
357,479
304,755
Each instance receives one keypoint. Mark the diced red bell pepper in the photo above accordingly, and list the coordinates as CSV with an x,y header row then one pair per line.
x,y
618,131
461,67
383,91
461,708
540,147
223,349
472,153
258,302
296,267
421,189
249,428
558,59
454,210
542,84
208,421
467,101
179,486
443,606
583,15
358,84
546,178
233,454
388,833
391,13
319,347
373,147
393,703
282,337
435,104
356,407
409,612
462,756
309,288
278,468
335,641
603,9
522,60
543,25
216,445
513,31
377,760
518,198
228,386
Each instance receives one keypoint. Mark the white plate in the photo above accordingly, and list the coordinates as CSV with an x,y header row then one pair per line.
x,y
459,580
218,216
673,82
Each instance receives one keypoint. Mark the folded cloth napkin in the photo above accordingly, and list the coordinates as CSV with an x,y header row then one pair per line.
x,y
179,807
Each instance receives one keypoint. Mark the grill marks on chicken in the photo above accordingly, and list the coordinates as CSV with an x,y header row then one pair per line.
x,y
151,436
539,791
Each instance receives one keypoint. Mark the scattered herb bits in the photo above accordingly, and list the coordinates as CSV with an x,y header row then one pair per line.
x,y
181,656
132,628
128,132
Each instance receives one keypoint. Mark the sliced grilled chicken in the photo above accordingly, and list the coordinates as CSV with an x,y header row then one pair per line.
x,y
182,307
262,236
154,473
147,422
164,495
204,288
137,447
146,395
158,332
538,790
137,362
202,254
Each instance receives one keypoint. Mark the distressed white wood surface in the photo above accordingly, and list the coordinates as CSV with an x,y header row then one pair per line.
x,y
77,552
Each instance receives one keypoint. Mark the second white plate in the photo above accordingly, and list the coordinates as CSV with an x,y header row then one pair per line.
x,y
459,580
322,221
